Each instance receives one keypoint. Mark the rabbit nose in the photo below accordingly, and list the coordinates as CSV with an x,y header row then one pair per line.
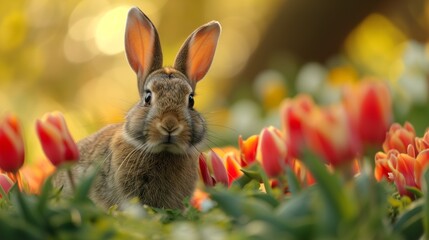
x,y
169,126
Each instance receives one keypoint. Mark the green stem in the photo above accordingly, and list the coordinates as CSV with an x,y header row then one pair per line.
x,y
266,182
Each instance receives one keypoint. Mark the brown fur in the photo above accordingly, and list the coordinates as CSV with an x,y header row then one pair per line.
x,y
153,155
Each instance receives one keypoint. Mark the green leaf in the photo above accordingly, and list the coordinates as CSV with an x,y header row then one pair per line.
x,y
297,206
426,199
241,182
266,181
230,203
331,188
298,214
292,181
84,187
269,199
415,191
410,222
24,207
252,174
44,195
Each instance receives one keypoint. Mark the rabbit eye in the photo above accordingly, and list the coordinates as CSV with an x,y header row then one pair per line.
x,y
147,97
191,101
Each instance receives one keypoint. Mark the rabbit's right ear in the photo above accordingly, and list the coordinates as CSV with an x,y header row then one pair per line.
x,y
142,44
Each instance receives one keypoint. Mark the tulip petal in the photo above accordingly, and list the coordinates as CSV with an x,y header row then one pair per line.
x,y
248,149
232,167
271,151
217,168
422,162
204,171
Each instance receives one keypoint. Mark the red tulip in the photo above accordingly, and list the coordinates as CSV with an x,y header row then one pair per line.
x,y
271,151
399,137
11,145
5,183
329,134
369,106
293,113
56,140
248,149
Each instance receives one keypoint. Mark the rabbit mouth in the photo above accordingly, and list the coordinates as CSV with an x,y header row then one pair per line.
x,y
167,146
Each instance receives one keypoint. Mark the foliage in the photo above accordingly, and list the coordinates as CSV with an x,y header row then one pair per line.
x,y
358,208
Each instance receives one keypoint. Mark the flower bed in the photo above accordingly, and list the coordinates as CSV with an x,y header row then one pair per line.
x,y
338,171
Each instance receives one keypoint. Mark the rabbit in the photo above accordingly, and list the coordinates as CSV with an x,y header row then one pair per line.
x,y
153,154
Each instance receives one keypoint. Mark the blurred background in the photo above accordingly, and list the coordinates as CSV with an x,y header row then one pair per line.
x,y
69,56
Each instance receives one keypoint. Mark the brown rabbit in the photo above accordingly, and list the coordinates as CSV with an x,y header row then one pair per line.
x,y
153,155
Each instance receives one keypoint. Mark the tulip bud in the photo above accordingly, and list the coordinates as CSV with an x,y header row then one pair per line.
x,y
399,137
204,171
293,113
369,107
271,151
217,167
11,145
56,140
5,183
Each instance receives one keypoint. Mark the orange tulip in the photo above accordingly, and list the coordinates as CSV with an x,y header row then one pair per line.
x,y
401,168
248,149
293,112
56,140
200,200
232,167
36,173
399,137
329,134
5,183
271,151
11,145
369,106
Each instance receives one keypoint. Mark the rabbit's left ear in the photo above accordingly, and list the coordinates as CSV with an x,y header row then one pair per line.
x,y
196,55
